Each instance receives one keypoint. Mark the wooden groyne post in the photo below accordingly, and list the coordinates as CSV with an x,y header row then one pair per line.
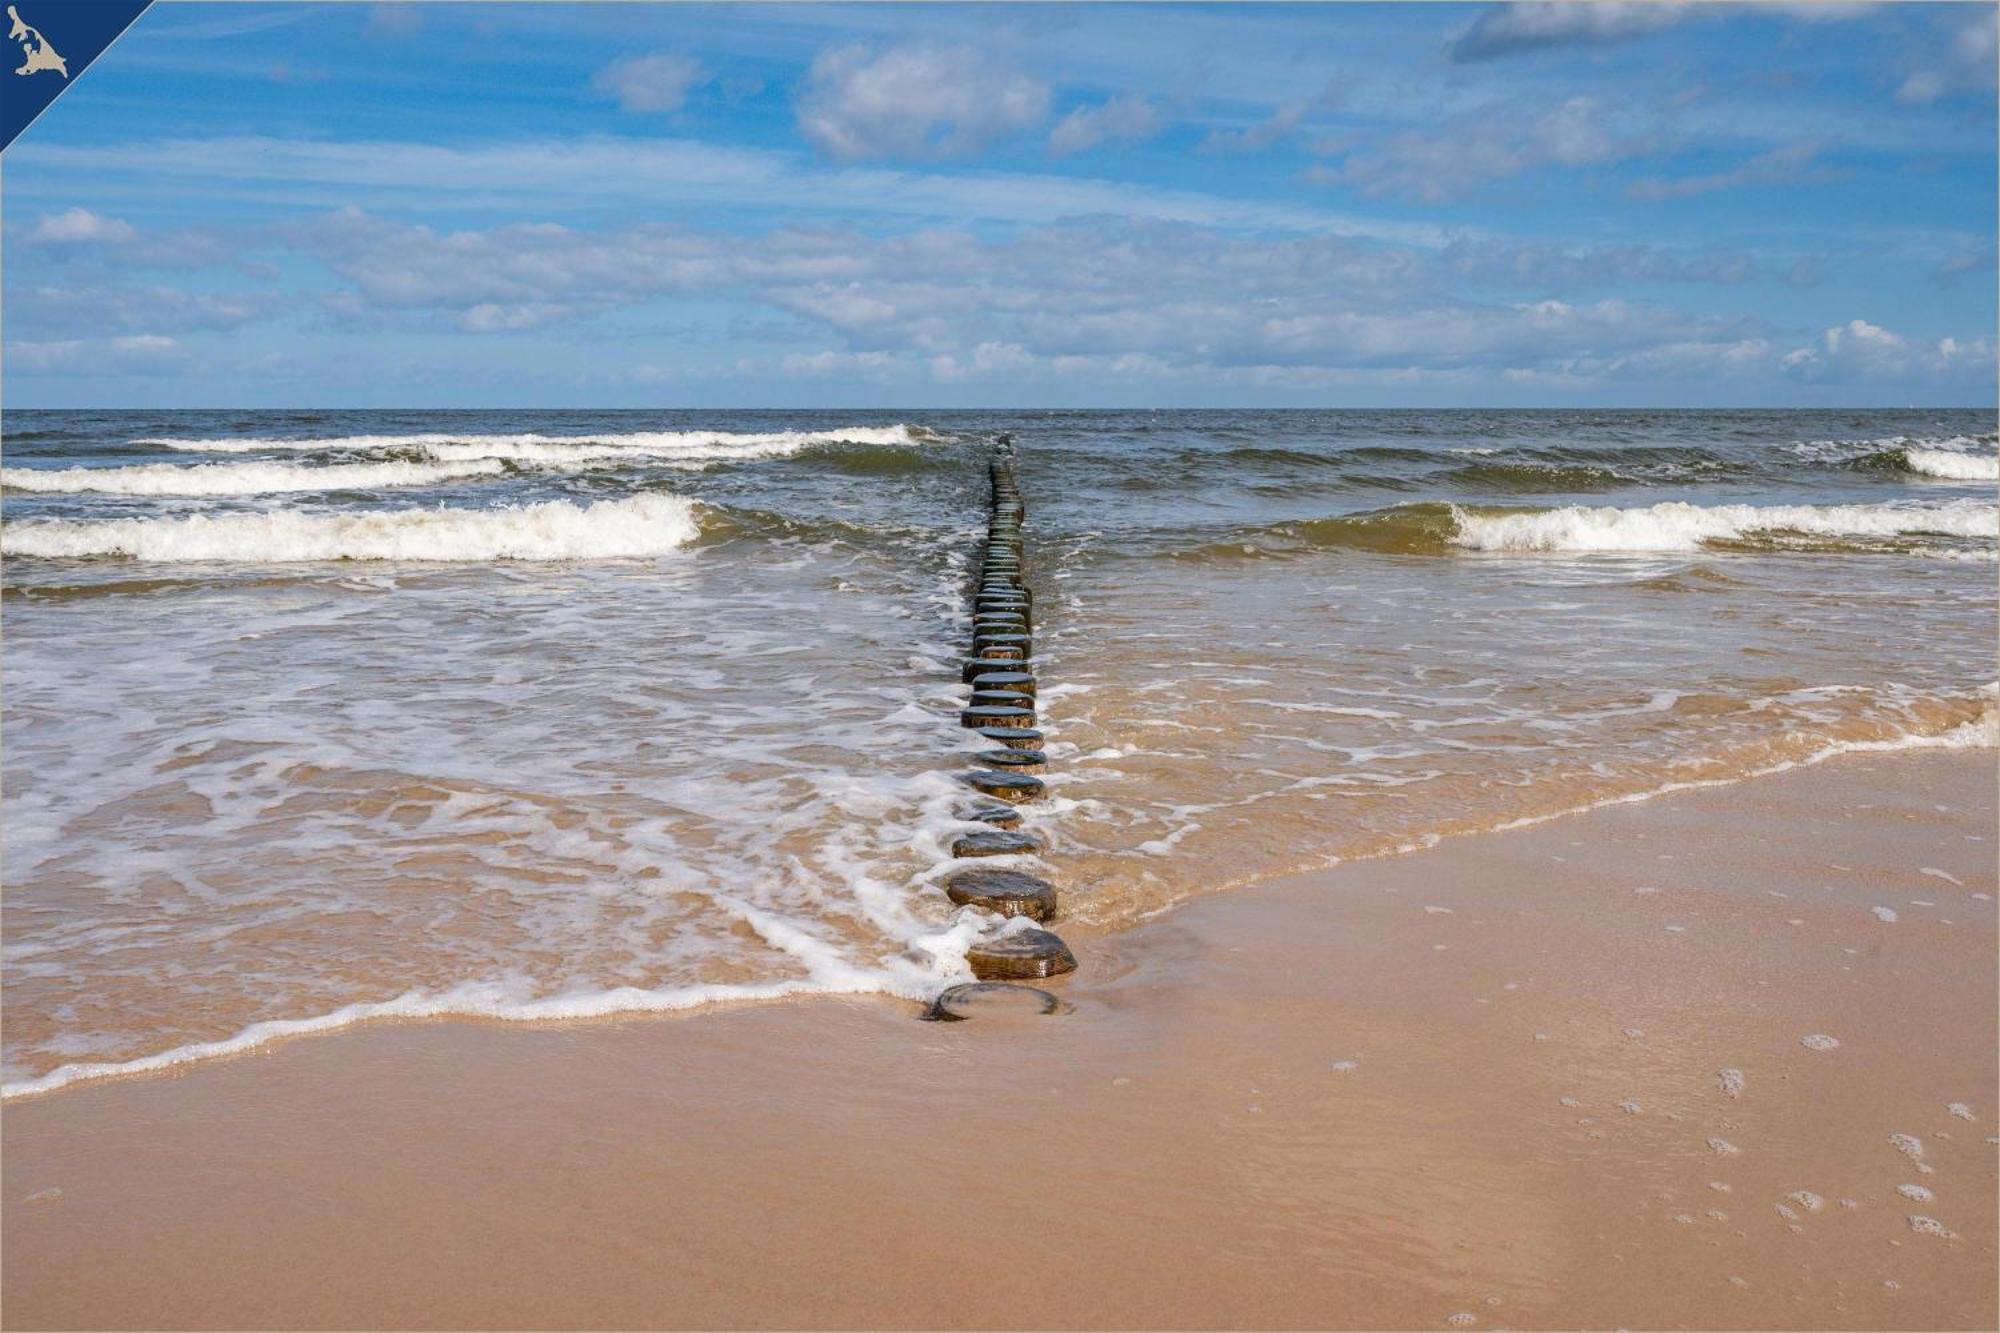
x,y
1002,707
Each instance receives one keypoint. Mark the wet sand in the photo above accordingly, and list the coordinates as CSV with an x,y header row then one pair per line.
x,y
1479,1086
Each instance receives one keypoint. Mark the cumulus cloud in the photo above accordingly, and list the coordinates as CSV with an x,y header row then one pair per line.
x,y
915,101
654,83
1494,142
1861,351
1790,164
1120,120
1535,25
80,226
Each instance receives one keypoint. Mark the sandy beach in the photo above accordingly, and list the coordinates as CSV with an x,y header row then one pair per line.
x,y
1582,1074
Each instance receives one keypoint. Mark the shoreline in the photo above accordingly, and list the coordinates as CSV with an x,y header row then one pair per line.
x,y
639,1003
1255,1113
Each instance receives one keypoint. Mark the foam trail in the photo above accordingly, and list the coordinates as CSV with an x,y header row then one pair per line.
x,y
1951,465
557,530
240,478
692,444
471,1000
1679,526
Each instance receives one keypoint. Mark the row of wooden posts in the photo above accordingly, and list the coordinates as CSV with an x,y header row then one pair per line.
x,y
1002,709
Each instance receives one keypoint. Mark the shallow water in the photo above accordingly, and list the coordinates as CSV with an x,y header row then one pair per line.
x,y
317,716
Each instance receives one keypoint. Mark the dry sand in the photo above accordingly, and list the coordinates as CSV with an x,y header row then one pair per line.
x,y
1481,1086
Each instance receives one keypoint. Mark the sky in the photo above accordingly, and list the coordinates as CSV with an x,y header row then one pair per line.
x,y
655,205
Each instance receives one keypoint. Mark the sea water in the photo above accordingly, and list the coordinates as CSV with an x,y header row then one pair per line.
x,y
316,717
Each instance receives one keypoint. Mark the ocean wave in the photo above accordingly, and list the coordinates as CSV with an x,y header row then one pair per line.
x,y
1939,457
241,478
556,530
1679,526
1435,528
690,445
1952,465
1525,477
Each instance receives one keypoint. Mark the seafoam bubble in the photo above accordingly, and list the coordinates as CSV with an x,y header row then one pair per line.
x,y
1916,1192
1884,914
1733,1082
1807,1200
1909,1145
1723,1148
1961,1110
1819,1041
1346,1066
1930,1226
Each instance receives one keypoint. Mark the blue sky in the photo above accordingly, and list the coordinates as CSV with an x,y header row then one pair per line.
x,y
427,204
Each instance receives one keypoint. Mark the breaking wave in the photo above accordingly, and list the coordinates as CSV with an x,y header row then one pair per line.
x,y
644,525
1952,465
241,478
1679,526
687,446
1439,528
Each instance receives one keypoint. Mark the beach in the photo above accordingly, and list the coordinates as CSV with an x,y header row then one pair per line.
x,y
1723,1058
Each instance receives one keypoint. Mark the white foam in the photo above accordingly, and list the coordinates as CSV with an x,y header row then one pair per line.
x,y
706,445
1909,1145
241,478
1733,1082
1884,914
1678,526
1916,1192
1819,1041
556,530
1952,465
471,1000
1961,1110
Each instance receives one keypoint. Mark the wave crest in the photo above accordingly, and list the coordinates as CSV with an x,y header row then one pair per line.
x,y
698,446
556,530
1434,528
1679,526
240,478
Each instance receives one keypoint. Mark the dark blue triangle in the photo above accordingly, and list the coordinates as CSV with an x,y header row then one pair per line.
x,y
50,43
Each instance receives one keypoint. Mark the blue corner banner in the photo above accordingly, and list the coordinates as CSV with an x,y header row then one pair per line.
x,y
50,43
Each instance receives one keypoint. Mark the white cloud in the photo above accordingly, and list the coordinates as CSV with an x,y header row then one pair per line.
x,y
1965,64
654,83
1494,142
1861,351
587,172
1789,164
80,226
138,354
1532,25
62,309
915,101
1272,130
1120,120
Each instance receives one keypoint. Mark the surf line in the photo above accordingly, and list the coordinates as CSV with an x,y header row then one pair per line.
x,y
1002,709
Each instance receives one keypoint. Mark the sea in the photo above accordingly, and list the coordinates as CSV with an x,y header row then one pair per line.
x,y
314,718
